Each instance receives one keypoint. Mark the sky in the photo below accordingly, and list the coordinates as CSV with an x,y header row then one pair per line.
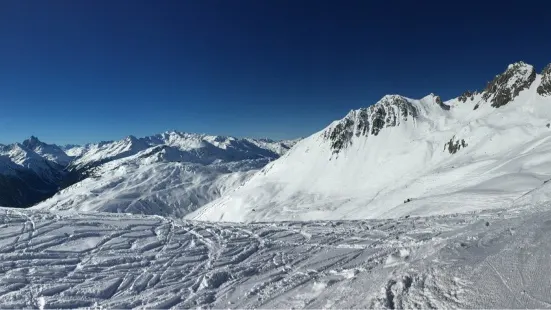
x,y
76,71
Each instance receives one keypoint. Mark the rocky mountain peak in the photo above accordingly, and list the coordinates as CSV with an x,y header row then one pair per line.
x,y
32,142
507,85
545,85
390,111
467,95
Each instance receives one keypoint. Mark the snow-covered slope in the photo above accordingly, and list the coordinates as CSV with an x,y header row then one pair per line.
x,y
494,259
409,157
33,171
169,174
152,182
196,148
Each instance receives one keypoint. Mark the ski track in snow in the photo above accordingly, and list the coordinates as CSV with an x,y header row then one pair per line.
x,y
485,259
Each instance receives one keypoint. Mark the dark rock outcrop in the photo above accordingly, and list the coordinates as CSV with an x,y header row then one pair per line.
x,y
466,96
441,104
545,86
390,111
454,146
506,86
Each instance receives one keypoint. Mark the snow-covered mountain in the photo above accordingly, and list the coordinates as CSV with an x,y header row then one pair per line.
x,y
154,181
202,166
403,156
50,152
196,148
27,176
169,174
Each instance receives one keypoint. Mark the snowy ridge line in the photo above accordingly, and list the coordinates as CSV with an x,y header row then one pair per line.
x,y
32,171
403,156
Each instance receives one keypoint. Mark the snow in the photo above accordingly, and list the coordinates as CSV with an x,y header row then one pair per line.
x,y
50,152
506,156
491,259
171,179
392,220
195,148
17,158
136,186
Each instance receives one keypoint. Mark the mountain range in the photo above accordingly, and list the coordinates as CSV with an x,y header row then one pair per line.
x,y
32,171
398,157
406,203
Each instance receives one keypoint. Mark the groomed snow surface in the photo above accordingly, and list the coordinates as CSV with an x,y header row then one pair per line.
x,y
493,259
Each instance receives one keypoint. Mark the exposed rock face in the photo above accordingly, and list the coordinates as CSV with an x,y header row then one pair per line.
x,y
466,95
454,146
506,86
545,86
438,101
390,111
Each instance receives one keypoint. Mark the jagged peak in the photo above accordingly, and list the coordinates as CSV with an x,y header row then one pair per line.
x,y
519,64
391,97
131,138
389,111
32,142
506,86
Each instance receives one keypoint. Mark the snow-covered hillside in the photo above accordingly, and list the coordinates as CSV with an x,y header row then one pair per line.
x,y
493,259
409,157
196,148
128,175
147,183
170,174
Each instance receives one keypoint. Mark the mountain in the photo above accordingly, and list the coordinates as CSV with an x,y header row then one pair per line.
x,y
405,157
197,148
25,176
202,166
169,174
154,181
50,152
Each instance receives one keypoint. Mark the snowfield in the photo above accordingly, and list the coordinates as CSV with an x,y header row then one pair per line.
x,y
143,185
492,259
169,174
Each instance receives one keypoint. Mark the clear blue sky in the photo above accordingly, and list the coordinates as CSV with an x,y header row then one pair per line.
x,y
77,71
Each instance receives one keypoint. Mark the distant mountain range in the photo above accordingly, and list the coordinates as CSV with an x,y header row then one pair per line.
x,y
33,171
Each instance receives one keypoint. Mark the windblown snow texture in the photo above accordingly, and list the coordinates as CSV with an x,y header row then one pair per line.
x,y
495,259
